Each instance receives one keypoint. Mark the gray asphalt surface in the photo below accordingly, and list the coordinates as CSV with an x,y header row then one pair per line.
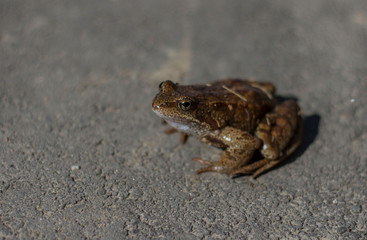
x,y
83,156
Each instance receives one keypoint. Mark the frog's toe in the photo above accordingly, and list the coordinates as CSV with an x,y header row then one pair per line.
x,y
170,131
205,169
212,168
256,168
238,173
265,168
202,161
209,168
249,169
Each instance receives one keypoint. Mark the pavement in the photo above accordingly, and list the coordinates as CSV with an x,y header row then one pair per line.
x,y
82,156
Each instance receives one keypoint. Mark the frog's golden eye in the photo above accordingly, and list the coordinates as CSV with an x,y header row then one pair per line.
x,y
184,105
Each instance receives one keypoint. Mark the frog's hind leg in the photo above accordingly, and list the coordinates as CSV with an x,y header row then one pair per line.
x,y
293,145
277,129
281,133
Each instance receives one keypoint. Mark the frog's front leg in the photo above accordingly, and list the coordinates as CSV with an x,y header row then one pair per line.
x,y
183,136
281,133
239,149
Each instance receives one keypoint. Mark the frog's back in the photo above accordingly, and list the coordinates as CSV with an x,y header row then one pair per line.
x,y
237,103
256,99
243,85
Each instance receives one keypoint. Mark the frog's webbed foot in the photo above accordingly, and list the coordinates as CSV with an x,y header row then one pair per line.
x,y
226,164
256,168
212,166
183,136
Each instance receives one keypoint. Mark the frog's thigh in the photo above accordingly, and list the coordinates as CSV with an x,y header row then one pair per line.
x,y
240,148
277,128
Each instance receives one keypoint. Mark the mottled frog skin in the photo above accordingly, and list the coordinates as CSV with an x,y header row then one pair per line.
x,y
239,116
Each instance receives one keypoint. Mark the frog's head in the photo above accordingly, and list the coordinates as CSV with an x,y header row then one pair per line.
x,y
177,106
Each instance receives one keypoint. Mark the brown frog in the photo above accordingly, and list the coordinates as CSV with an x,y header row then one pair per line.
x,y
239,116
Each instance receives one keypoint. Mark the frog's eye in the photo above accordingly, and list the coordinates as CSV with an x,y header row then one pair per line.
x,y
185,104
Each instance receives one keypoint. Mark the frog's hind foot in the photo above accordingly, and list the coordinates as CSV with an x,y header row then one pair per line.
x,y
256,168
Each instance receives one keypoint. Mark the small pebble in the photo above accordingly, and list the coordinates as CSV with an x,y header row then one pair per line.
x,y
75,167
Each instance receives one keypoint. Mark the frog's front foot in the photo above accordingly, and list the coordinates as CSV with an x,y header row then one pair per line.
x,y
225,165
210,168
183,136
240,148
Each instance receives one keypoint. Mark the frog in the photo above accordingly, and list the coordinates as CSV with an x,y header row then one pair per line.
x,y
241,116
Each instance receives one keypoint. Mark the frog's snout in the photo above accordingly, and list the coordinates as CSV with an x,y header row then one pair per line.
x,y
157,105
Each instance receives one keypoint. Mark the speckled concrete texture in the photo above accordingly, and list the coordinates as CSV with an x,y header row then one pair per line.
x,y
82,156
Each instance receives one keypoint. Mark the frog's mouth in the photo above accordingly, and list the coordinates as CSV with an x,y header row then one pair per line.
x,y
157,111
168,111
177,123
169,116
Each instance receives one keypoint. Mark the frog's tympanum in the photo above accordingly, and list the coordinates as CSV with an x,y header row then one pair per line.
x,y
239,116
